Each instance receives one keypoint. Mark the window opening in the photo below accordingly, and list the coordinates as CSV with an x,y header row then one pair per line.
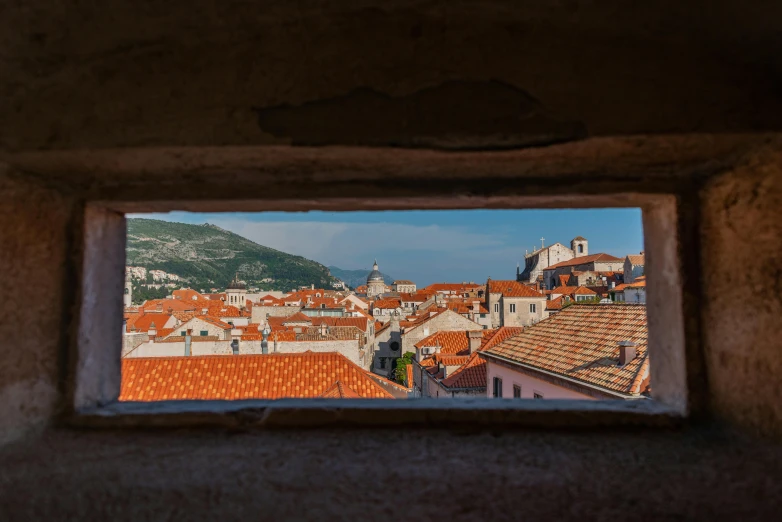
x,y
286,295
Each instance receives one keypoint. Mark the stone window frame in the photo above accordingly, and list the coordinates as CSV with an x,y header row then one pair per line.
x,y
442,181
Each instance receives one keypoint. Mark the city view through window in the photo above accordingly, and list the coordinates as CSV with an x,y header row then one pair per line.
x,y
511,304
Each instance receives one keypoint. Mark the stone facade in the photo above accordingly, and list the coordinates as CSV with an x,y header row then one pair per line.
x,y
404,287
539,260
388,346
634,267
259,313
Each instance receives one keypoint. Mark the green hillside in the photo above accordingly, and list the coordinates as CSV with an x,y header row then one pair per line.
x,y
208,256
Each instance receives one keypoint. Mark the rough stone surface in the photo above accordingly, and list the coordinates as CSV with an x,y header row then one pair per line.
x,y
327,475
133,73
742,278
34,260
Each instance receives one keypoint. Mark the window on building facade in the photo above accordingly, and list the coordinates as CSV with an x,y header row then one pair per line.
x,y
537,395
497,391
516,391
533,308
382,363
204,333
394,346
513,308
497,307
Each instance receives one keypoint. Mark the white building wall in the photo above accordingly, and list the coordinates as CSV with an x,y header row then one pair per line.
x,y
529,385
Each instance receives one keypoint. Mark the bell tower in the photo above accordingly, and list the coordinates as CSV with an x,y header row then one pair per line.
x,y
580,246
127,298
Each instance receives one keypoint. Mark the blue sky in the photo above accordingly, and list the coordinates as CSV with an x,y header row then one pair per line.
x,y
429,246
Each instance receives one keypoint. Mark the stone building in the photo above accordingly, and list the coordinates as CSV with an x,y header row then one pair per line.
x,y
634,267
511,303
601,262
236,293
376,286
403,286
542,258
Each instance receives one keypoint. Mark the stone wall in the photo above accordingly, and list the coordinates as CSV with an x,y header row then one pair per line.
x,y
742,274
36,230
132,340
259,313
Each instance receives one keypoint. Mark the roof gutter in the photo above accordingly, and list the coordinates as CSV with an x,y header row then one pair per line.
x,y
487,355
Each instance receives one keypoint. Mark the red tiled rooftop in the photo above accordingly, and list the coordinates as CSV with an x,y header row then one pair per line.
x,y
594,258
581,343
511,288
637,259
231,377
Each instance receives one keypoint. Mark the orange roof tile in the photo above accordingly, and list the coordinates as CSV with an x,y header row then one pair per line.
x,y
232,377
511,288
339,390
594,258
581,343
637,260
175,305
386,304
143,322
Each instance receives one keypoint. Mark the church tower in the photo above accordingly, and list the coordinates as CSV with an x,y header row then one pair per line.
x,y
375,284
127,298
236,293
580,246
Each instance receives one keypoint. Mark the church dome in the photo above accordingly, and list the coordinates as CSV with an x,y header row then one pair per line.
x,y
375,275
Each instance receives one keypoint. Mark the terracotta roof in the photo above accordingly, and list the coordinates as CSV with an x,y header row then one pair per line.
x,y
362,323
582,290
637,284
637,260
215,321
142,322
386,304
510,288
403,282
451,342
563,279
231,377
472,374
339,390
555,304
450,287
298,317
620,288
594,258
187,294
176,305
282,336
581,343
565,290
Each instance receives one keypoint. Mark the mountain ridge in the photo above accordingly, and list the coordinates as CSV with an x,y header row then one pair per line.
x,y
207,256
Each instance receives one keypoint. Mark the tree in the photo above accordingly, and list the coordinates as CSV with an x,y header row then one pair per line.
x,y
400,372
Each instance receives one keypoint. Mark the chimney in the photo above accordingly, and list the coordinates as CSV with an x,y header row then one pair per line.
x,y
475,307
152,332
312,287
475,336
323,328
188,340
159,307
626,352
